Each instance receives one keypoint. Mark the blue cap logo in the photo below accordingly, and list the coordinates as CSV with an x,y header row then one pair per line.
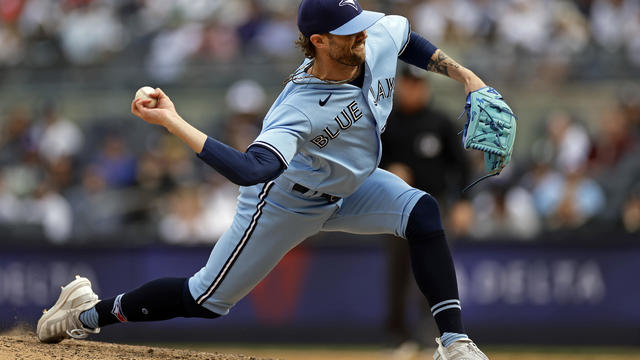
x,y
351,3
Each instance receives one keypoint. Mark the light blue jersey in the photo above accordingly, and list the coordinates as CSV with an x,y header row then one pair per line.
x,y
329,134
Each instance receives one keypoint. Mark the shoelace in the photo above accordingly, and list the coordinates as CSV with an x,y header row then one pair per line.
x,y
81,333
77,333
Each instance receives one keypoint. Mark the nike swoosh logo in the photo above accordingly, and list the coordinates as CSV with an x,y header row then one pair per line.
x,y
323,102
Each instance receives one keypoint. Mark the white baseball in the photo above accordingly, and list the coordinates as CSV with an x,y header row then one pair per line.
x,y
143,93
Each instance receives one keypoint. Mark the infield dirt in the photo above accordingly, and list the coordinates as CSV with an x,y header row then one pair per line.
x,y
23,345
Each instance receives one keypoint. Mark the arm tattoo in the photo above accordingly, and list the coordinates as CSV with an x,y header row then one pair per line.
x,y
442,63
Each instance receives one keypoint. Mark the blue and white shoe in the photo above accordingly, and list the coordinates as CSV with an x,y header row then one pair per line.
x,y
62,321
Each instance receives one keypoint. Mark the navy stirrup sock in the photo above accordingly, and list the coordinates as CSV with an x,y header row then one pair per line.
x,y
433,266
160,299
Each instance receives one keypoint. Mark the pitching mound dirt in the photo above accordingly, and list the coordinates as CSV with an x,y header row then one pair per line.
x,y
23,345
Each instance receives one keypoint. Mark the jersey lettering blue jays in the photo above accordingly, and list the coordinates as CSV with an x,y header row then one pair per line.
x,y
327,134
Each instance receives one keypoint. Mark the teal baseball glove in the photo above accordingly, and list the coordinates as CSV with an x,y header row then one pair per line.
x,y
491,128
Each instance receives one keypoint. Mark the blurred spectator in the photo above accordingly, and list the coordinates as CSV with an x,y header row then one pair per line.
x,y
12,49
615,138
15,138
220,42
22,177
505,212
524,24
171,49
277,36
246,100
566,200
151,175
10,10
93,209
177,160
614,156
9,204
89,31
115,163
184,220
613,22
568,37
629,98
567,142
473,18
41,16
52,211
631,211
56,137
430,19
220,205
61,173
252,25
43,207
245,96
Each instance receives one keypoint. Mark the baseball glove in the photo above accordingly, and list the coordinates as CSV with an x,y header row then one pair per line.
x,y
491,128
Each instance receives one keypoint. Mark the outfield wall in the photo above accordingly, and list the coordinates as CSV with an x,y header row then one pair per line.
x,y
511,293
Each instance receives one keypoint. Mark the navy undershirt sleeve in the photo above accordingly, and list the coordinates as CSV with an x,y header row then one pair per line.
x,y
418,51
255,166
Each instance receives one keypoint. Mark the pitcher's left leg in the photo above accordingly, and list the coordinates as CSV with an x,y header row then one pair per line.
x,y
436,277
386,204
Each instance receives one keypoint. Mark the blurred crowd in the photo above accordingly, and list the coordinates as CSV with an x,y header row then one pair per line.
x,y
107,180
574,177
87,179
93,182
523,38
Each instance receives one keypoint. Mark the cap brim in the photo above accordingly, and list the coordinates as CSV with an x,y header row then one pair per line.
x,y
359,23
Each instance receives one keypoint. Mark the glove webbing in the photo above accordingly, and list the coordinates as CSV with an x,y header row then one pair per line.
x,y
494,125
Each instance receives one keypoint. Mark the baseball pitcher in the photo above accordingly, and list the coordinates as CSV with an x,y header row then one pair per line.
x,y
314,167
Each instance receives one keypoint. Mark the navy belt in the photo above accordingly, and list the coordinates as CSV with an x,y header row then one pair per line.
x,y
304,190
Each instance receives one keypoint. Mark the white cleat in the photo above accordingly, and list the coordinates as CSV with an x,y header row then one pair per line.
x,y
62,320
463,349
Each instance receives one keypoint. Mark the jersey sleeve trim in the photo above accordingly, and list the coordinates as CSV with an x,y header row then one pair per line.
x,y
400,49
406,43
273,149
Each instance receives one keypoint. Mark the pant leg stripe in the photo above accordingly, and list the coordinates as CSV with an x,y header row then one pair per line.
x,y
442,303
236,252
454,306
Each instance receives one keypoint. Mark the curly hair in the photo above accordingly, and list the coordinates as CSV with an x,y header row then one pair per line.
x,y
305,44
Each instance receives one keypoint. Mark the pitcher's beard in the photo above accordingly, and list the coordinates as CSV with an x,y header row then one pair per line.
x,y
350,58
353,60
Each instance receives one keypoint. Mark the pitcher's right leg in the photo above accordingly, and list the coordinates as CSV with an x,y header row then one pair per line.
x,y
269,222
